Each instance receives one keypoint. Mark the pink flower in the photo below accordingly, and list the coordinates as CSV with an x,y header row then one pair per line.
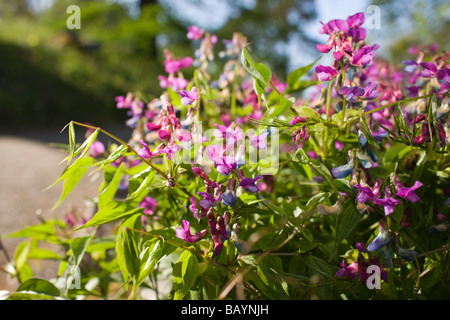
x,y
249,184
194,33
325,73
184,233
364,56
405,192
145,151
149,205
171,149
299,119
259,142
188,97
96,149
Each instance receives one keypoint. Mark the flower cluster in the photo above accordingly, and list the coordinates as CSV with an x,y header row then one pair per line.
x,y
353,113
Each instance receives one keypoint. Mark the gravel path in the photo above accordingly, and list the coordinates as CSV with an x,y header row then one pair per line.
x,y
28,165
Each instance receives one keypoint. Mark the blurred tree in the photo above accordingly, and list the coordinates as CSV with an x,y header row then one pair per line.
x,y
11,8
416,22
272,26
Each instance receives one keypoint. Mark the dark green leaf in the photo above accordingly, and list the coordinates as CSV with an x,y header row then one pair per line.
x,y
346,221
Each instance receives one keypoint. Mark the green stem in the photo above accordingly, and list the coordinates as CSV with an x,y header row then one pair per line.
x,y
147,161
344,102
325,137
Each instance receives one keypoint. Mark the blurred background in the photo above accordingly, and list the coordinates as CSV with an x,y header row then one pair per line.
x,y
50,75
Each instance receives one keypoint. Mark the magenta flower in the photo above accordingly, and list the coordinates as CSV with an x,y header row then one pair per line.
x,y
443,75
174,65
325,73
369,91
429,69
223,164
355,30
149,205
349,271
404,192
145,151
259,142
300,134
176,83
364,56
124,102
184,233
194,33
188,97
171,150
388,202
208,200
325,48
352,92
368,194
249,184
334,26
232,133
97,148
296,120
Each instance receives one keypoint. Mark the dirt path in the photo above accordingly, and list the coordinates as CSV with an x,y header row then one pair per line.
x,y
27,167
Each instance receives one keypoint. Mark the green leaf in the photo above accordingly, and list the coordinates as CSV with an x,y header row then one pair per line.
x,y
45,231
270,282
108,192
185,272
293,78
119,152
113,211
306,111
282,106
40,286
150,255
144,183
40,253
72,142
21,254
401,123
346,221
78,248
84,148
368,134
127,254
260,72
71,176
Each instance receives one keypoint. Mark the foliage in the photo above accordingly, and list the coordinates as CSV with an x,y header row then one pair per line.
x,y
249,187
